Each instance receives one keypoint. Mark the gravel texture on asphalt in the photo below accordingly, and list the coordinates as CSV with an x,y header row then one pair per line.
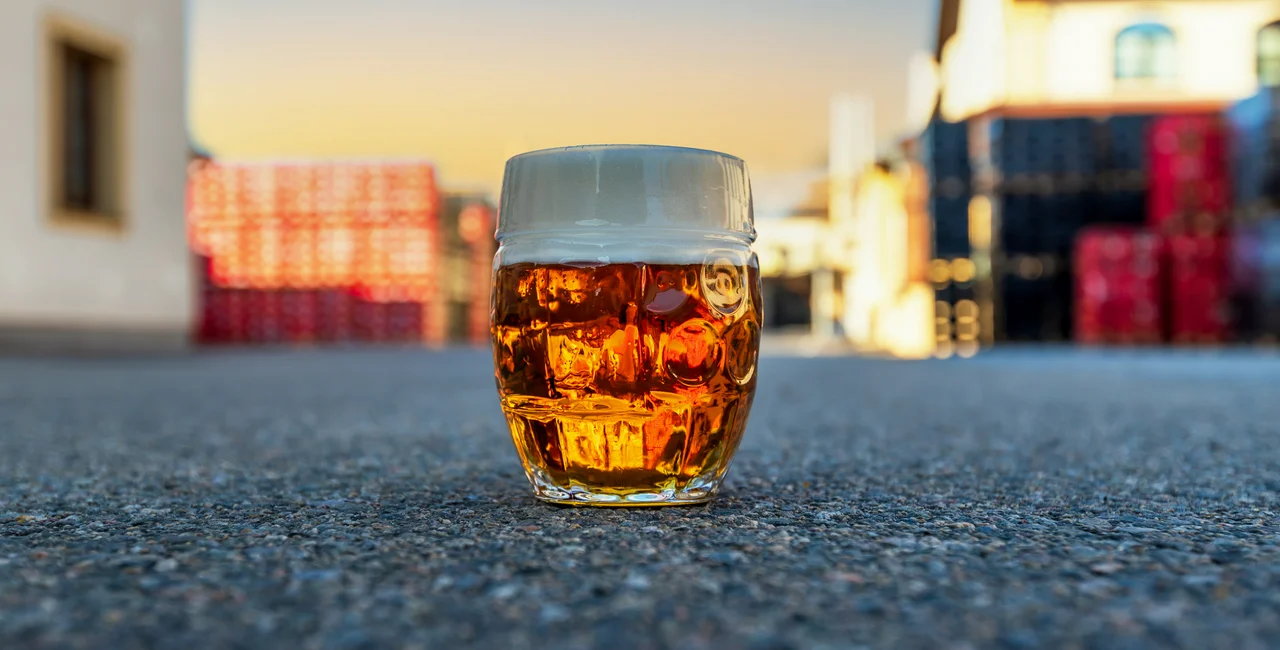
x,y
372,498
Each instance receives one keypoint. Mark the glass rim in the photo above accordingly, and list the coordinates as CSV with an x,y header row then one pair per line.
x,y
625,146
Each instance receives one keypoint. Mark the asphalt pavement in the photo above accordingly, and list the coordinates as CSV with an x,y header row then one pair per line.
x,y
358,499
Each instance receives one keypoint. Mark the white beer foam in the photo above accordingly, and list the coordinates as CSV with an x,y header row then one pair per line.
x,y
621,251
606,187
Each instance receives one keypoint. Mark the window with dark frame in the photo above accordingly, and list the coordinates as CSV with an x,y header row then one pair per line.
x,y
1269,55
1146,51
84,132
80,125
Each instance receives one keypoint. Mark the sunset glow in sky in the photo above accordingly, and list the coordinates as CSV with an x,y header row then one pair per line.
x,y
467,83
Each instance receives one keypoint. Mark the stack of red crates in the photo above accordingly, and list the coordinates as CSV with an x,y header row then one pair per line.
x,y
334,315
1199,269
1118,288
476,224
1189,190
1190,205
315,253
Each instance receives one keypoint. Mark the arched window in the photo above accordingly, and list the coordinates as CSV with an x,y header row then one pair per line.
x,y
1146,51
1269,55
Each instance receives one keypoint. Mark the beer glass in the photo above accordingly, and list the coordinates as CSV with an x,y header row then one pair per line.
x,y
626,320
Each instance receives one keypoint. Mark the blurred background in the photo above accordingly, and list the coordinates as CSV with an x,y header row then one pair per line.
x,y
932,178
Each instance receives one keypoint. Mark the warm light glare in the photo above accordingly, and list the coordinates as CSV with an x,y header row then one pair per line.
x,y
942,310
980,222
940,272
923,84
886,308
945,350
1030,268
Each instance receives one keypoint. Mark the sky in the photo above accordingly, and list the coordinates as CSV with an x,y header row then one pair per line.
x,y
468,83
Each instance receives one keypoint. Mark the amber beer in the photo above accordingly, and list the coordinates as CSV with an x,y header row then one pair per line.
x,y
627,382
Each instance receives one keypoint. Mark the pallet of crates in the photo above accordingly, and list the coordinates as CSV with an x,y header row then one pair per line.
x,y
464,268
943,152
335,314
943,149
369,318
394,252
218,200
1269,281
957,314
1034,299
1254,125
208,328
1255,281
1035,178
1118,288
405,321
291,245
955,279
205,201
1190,189
299,315
1189,204
1198,270
476,225
1122,175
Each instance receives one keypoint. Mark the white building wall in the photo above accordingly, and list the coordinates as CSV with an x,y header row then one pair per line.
x,y
1063,53
60,276
974,74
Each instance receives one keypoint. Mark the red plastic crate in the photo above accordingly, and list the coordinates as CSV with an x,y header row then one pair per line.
x,y
299,316
1199,288
1190,190
213,322
334,314
369,322
404,322
224,317
264,317
1117,286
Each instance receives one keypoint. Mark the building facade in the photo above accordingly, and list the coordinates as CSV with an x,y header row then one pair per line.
x,y
93,248
1080,55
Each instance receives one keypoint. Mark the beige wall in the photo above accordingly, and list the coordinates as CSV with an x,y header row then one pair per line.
x,y
58,275
1038,53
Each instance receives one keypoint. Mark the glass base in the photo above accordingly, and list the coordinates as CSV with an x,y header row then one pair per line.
x,y
697,492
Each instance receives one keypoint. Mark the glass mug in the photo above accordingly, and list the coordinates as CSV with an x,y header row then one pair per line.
x,y
626,320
